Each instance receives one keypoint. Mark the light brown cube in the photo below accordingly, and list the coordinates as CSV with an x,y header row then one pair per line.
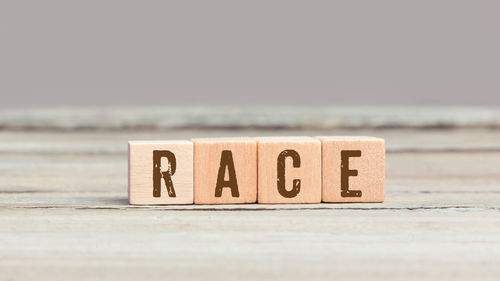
x,y
353,169
225,171
160,172
289,170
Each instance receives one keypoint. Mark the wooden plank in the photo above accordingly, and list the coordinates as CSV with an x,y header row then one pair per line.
x,y
92,142
269,245
414,180
159,118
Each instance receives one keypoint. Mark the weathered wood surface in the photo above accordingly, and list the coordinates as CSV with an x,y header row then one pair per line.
x,y
64,212
141,118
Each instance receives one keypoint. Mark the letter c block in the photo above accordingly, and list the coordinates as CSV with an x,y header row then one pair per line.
x,y
289,170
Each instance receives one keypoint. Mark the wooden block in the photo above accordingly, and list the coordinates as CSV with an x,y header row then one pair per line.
x,y
289,170
225,171
353,169
160,172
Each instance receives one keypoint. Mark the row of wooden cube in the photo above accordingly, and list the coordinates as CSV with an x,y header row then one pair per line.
x,y
264,170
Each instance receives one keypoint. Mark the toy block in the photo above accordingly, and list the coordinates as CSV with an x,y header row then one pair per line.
x,y
160,172
225,170
289,170
353,169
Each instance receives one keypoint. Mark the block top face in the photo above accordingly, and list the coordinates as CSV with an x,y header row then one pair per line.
x,y
349,138
282,139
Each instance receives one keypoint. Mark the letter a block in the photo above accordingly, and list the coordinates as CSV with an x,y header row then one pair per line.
x,y
289,170
353,169
160,172
225,171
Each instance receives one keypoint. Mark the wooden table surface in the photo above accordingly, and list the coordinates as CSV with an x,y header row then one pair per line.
x,y
64,212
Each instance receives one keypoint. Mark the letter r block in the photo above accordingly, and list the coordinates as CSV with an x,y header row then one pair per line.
x,y
353,169
289,170
160,172
225,170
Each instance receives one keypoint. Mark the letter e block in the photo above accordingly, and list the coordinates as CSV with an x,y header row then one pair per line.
x,y
353,169
160,172
289,170
225,171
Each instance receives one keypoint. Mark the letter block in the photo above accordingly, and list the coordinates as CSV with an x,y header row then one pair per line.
x,y
353,169
160,172
289,170
225,171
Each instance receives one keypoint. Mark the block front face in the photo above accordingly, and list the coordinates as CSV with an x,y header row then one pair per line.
x,y
353,169
160,172
225,171
289,170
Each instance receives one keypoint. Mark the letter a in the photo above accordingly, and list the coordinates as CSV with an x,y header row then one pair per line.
x,y
226,160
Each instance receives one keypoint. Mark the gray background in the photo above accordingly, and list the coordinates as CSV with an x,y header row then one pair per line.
x,y
119,52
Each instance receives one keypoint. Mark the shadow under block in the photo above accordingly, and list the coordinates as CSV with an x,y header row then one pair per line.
x,y
160,172
289,170
225,171
353,169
